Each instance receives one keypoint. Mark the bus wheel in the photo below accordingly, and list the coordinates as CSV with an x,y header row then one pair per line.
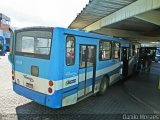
x,y
103,86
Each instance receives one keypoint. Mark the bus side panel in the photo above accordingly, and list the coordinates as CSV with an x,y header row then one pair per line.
x,y
70,81
131,65
110,68
71,73
56,68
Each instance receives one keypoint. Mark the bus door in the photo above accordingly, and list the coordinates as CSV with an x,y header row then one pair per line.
x,y
87,69
125,59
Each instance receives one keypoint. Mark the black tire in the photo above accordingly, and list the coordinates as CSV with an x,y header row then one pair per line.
x,y
103,86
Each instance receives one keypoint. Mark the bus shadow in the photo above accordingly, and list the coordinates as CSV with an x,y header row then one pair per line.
x,y
36,111
93,105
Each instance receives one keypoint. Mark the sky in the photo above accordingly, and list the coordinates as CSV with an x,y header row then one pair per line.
x,y
55,13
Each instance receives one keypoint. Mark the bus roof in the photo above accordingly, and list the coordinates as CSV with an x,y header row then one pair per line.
x,y
33,27
78,33
90,34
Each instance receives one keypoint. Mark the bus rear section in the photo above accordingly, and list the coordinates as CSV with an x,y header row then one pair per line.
x,y
31,72
7,44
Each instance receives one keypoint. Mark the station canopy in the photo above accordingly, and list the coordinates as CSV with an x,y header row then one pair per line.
x,y
137,20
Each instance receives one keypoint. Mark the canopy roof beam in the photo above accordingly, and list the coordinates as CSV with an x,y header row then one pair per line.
x,y
134,9
151,16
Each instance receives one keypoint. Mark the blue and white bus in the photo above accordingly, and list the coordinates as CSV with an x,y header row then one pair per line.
x,y
7,41
130,53
57,67
4,44
2,47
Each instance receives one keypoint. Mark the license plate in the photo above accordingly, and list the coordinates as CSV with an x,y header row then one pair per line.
x,y
29,85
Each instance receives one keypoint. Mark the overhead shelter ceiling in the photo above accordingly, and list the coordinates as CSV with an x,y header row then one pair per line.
x,y
130,19
97,9
134,24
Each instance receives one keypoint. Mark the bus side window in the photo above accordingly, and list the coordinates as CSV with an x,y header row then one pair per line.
x,y
70,50
104,50
116,50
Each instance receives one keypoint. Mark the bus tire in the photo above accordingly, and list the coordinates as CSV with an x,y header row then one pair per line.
x,y
103,86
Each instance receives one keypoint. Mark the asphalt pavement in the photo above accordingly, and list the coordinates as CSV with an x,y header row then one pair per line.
x,y
138,95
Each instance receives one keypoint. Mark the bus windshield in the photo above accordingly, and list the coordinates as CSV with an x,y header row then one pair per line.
x,y
34,43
